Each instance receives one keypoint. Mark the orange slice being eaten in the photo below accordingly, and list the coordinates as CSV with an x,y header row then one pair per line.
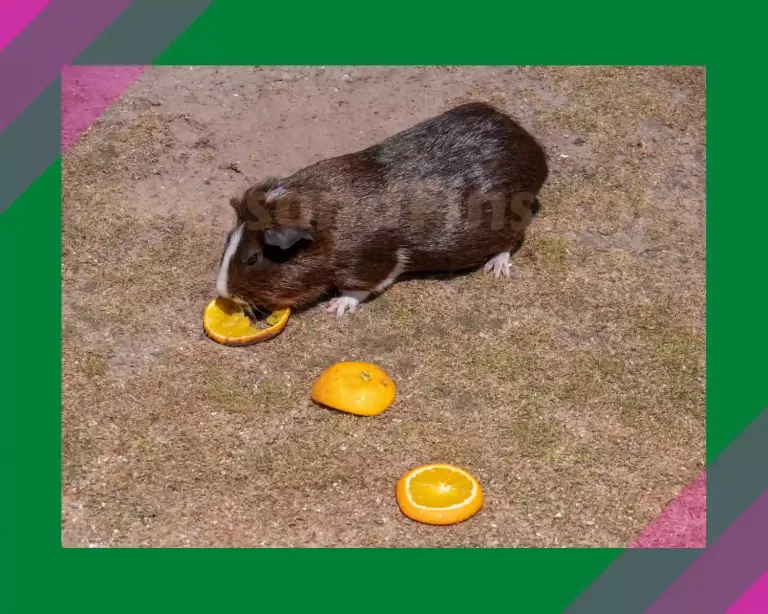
x,y
439,494
225,322
354,387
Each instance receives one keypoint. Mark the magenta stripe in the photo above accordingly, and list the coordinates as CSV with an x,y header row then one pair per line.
x,y
67,29
15,15
682,524
755,600
86,92
725,569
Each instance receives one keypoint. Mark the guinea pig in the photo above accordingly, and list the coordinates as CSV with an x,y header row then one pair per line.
x,y
453,192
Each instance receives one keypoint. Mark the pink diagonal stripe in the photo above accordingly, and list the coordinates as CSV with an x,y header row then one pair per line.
x,y
682,524
86,92
15,15
755,600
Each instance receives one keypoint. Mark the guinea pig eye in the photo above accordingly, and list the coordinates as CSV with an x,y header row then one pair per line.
x,y
253,259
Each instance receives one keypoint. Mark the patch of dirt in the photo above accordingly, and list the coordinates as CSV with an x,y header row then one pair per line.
x,y
577,399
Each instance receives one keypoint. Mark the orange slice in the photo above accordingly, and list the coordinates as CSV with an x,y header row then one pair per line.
x,y
225,322
439,494
355,387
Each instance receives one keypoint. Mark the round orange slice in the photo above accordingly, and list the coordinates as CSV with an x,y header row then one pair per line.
x,y
439,494
225,322
359,388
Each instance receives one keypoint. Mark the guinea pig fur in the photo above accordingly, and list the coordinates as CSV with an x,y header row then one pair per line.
x,y
453,192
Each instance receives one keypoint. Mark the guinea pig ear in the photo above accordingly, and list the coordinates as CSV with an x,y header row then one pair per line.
x,y
238,206
286,237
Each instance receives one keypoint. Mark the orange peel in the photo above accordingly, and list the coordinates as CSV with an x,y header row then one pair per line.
x,y
359,388
439,494
225,322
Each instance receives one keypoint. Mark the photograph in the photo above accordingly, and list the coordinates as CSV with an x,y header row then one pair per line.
x,y
363,306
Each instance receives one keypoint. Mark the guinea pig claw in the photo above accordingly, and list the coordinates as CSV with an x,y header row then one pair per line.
x,y
499,265
341,305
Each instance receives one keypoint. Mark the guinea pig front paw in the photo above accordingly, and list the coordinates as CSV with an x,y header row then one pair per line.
x,y
341,305
499,265
346,303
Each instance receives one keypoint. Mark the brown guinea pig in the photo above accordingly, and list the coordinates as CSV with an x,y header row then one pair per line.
x,y
453,192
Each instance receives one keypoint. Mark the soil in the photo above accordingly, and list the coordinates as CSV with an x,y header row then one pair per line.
x,y
577,400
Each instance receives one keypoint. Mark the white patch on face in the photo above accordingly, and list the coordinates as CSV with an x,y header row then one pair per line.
x,y
402,263
278,192
222,280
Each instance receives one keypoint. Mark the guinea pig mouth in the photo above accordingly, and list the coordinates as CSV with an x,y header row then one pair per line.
x,y
248,308
253,311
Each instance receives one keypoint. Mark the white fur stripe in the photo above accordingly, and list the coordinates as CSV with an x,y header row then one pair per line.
x,y
222,281
275,193
399,269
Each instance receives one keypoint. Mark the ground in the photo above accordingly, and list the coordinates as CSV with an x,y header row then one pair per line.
x,y
574,392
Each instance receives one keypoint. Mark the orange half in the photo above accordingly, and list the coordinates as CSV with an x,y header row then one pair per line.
x,y
439,494
355,387
225,322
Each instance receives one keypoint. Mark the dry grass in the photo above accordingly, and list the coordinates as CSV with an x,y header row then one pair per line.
x,y
574,392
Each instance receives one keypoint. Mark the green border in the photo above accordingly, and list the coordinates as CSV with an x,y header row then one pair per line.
x,y
243,32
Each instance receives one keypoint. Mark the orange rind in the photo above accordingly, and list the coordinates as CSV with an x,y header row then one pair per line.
x,y
359,388
225,322
439,494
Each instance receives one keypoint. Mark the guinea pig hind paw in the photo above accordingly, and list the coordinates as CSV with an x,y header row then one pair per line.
x,y
499,265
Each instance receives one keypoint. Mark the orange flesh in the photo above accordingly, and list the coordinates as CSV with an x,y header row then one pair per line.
x,y
439,495
439,488
225,322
